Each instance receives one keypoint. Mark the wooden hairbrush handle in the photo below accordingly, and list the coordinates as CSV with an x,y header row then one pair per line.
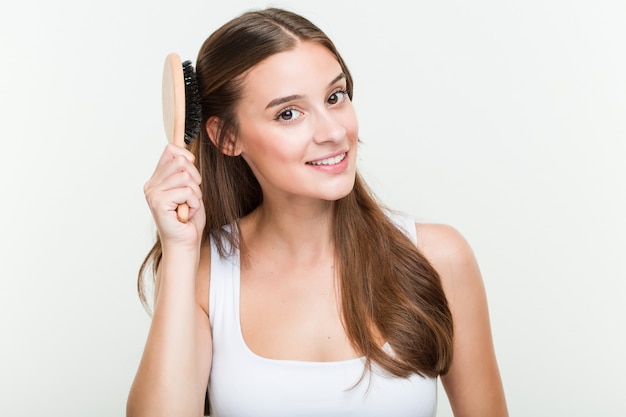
x,y
174,112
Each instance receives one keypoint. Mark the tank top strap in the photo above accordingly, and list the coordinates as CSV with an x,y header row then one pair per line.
x,y
223,290
405,223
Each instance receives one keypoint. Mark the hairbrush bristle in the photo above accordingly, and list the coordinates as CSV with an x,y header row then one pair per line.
x,y
193,109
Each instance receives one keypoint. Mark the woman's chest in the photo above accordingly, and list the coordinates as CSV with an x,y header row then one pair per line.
x,y
293,314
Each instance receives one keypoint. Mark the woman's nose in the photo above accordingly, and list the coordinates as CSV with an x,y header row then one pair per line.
x,y
328,127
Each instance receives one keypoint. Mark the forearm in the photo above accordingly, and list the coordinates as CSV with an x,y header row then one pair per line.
x,y
167,381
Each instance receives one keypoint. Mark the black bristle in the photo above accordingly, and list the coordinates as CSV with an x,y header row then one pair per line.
x,y
193,109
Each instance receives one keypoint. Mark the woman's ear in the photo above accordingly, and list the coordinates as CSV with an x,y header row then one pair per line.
x,y
230,146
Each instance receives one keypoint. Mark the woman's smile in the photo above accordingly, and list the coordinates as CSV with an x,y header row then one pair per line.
x,y
333,165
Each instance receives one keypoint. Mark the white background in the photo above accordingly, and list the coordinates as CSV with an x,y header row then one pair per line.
x,y
504,119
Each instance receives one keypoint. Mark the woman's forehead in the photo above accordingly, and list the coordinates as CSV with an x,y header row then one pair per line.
x,y
306,67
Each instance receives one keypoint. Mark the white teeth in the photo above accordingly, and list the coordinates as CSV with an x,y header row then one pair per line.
x,y
330,161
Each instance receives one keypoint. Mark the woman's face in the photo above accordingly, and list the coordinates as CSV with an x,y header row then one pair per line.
x,y
297,127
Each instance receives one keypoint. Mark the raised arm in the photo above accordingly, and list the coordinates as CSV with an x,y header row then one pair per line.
x,y
473,383
174,370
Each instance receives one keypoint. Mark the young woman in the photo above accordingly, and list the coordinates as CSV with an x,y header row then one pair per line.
x,y
291,291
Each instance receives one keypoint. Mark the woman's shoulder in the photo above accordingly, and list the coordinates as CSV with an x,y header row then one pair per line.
x,y
441,240
448,251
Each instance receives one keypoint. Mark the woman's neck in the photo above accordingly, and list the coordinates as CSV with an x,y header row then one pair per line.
x,y
301,232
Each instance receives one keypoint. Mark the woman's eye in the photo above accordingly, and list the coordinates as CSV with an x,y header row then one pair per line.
x,y
288,115
337,97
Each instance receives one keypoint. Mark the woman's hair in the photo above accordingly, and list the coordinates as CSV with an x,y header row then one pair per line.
x,y
388,289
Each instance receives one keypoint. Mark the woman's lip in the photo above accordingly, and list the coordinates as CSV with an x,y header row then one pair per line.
x,y
333,155
338,164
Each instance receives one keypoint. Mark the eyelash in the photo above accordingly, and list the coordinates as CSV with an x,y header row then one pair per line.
x,y
343,91
282,112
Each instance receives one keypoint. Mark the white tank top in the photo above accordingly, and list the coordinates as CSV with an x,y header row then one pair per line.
x,y
243,384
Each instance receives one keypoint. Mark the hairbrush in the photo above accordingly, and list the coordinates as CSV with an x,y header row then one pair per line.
x,y
181,109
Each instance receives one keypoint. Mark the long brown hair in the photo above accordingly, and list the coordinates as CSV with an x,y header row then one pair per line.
x,y
388,289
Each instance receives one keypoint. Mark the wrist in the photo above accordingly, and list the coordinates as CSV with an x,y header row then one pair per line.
x,y
180,255
177,272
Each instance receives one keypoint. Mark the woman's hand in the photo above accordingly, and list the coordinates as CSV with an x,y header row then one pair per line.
x,y
176,180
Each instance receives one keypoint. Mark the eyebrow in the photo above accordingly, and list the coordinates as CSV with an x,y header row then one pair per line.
x,y
282,100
